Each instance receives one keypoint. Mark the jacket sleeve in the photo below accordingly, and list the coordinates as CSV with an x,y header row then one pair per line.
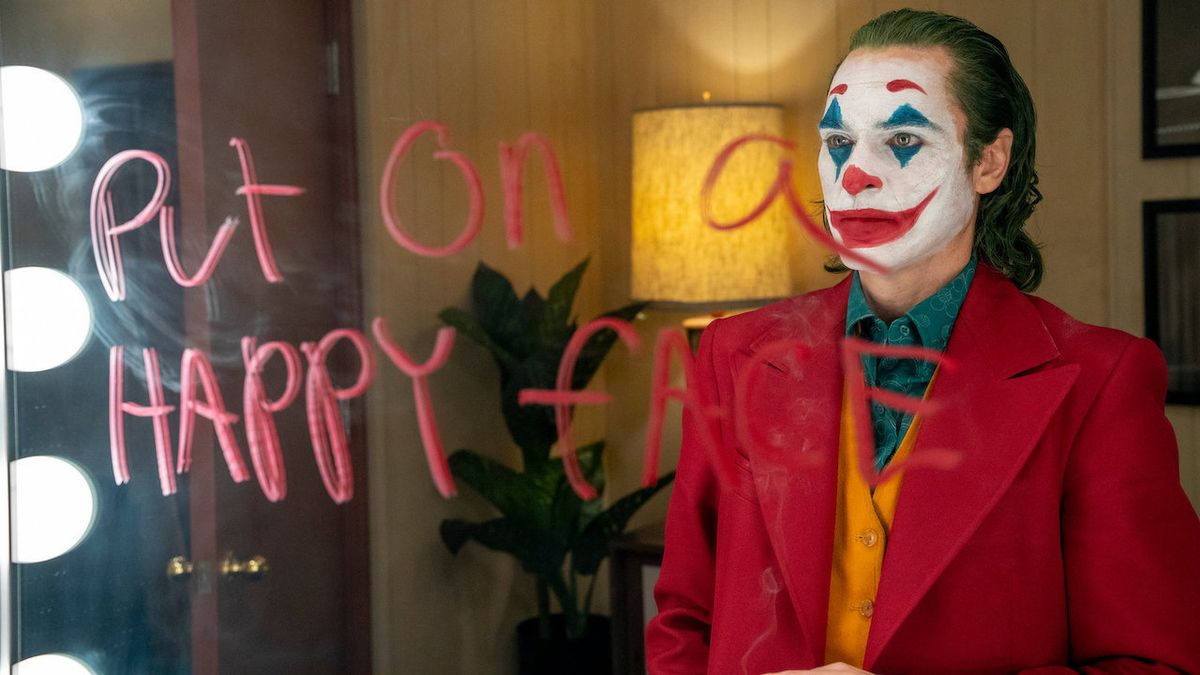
x,y
1131,538
677,638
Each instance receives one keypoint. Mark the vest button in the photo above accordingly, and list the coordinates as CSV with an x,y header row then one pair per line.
x,y
865,608
868,537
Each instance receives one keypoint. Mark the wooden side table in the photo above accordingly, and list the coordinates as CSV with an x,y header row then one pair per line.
x,y
636,559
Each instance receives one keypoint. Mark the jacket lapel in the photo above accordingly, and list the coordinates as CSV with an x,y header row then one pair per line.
x,y
794,407
993,415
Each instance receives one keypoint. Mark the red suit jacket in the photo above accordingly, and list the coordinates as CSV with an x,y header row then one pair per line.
x,y
1062,539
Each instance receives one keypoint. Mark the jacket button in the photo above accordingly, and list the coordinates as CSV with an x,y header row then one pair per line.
x,y
868,537
866,608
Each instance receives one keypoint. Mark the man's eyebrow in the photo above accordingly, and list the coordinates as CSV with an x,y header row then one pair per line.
x,y
907,116
901,85
832,118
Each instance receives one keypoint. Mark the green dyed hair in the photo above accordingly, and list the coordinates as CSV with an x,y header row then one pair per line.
x,y
993,96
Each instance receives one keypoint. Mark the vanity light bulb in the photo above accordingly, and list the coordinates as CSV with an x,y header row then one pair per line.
x,y
53,507
49,318
42,119
52,664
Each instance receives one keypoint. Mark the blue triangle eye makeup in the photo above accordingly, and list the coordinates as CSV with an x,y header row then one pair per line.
x,y
907,116
840,155
833,120
905,154
833,117
904,116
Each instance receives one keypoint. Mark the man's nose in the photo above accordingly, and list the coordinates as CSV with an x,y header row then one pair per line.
x,y
855,180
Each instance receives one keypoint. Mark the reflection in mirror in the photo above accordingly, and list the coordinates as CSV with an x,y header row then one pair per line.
x,y
82,80
302,302
138,294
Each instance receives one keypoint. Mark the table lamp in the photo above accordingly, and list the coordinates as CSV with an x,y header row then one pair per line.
x,y
678,260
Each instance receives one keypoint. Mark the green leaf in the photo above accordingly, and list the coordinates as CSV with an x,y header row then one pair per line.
x,y
592,546
525,497
568,508
498,311
537,552
591,458
597,346
466,325
555,323
567,601
532,426
533,307
455,534
593,470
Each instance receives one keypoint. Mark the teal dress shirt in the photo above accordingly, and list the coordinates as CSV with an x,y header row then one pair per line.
x,y
928,325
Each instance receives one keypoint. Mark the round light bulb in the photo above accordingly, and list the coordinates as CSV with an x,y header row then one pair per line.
x,y
52,664
42,119
49,318
53,507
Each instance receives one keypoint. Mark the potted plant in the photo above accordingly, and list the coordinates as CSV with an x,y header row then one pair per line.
x,y
556,536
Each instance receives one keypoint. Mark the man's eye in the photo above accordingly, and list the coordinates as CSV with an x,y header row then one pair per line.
x,y
837,142
904,140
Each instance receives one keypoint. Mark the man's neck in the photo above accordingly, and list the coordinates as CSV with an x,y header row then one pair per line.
x,y
891,295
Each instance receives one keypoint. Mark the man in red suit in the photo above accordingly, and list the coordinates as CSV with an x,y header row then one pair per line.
x,y
1032,521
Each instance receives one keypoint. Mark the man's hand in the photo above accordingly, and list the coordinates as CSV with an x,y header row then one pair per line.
x,y
838,667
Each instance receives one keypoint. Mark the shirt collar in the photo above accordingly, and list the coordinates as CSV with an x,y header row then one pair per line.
x,y
933,318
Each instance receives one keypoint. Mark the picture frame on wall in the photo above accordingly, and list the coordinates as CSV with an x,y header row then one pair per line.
x,y
1170,78
1171,232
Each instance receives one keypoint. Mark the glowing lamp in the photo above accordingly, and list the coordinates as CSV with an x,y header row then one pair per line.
x,y
676,256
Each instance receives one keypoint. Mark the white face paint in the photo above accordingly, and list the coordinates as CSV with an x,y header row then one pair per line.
x,y
892,164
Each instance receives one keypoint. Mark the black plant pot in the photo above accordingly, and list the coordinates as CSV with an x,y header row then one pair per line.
x,y
590,654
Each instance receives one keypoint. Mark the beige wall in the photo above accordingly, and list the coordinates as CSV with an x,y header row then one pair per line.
x,y
1129,180
490,70
87,34
576,71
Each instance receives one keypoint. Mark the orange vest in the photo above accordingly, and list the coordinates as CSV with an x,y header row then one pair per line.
x,y
863,522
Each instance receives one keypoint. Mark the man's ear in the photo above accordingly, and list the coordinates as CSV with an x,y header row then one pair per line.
x,y
993,163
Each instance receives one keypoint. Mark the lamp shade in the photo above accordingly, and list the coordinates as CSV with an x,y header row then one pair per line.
x,y
677,257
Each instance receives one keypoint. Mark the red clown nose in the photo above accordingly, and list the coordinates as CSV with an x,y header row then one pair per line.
x,y
856,180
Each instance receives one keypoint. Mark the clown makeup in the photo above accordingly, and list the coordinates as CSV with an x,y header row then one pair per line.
x,y
892,164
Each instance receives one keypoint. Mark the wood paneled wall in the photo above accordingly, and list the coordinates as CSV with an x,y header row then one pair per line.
x,y
490,71
576,71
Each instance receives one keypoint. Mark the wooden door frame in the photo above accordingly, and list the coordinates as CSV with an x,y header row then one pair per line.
x,y
356,513
203,490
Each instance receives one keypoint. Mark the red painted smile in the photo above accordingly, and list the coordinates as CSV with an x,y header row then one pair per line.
x,y
866,228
